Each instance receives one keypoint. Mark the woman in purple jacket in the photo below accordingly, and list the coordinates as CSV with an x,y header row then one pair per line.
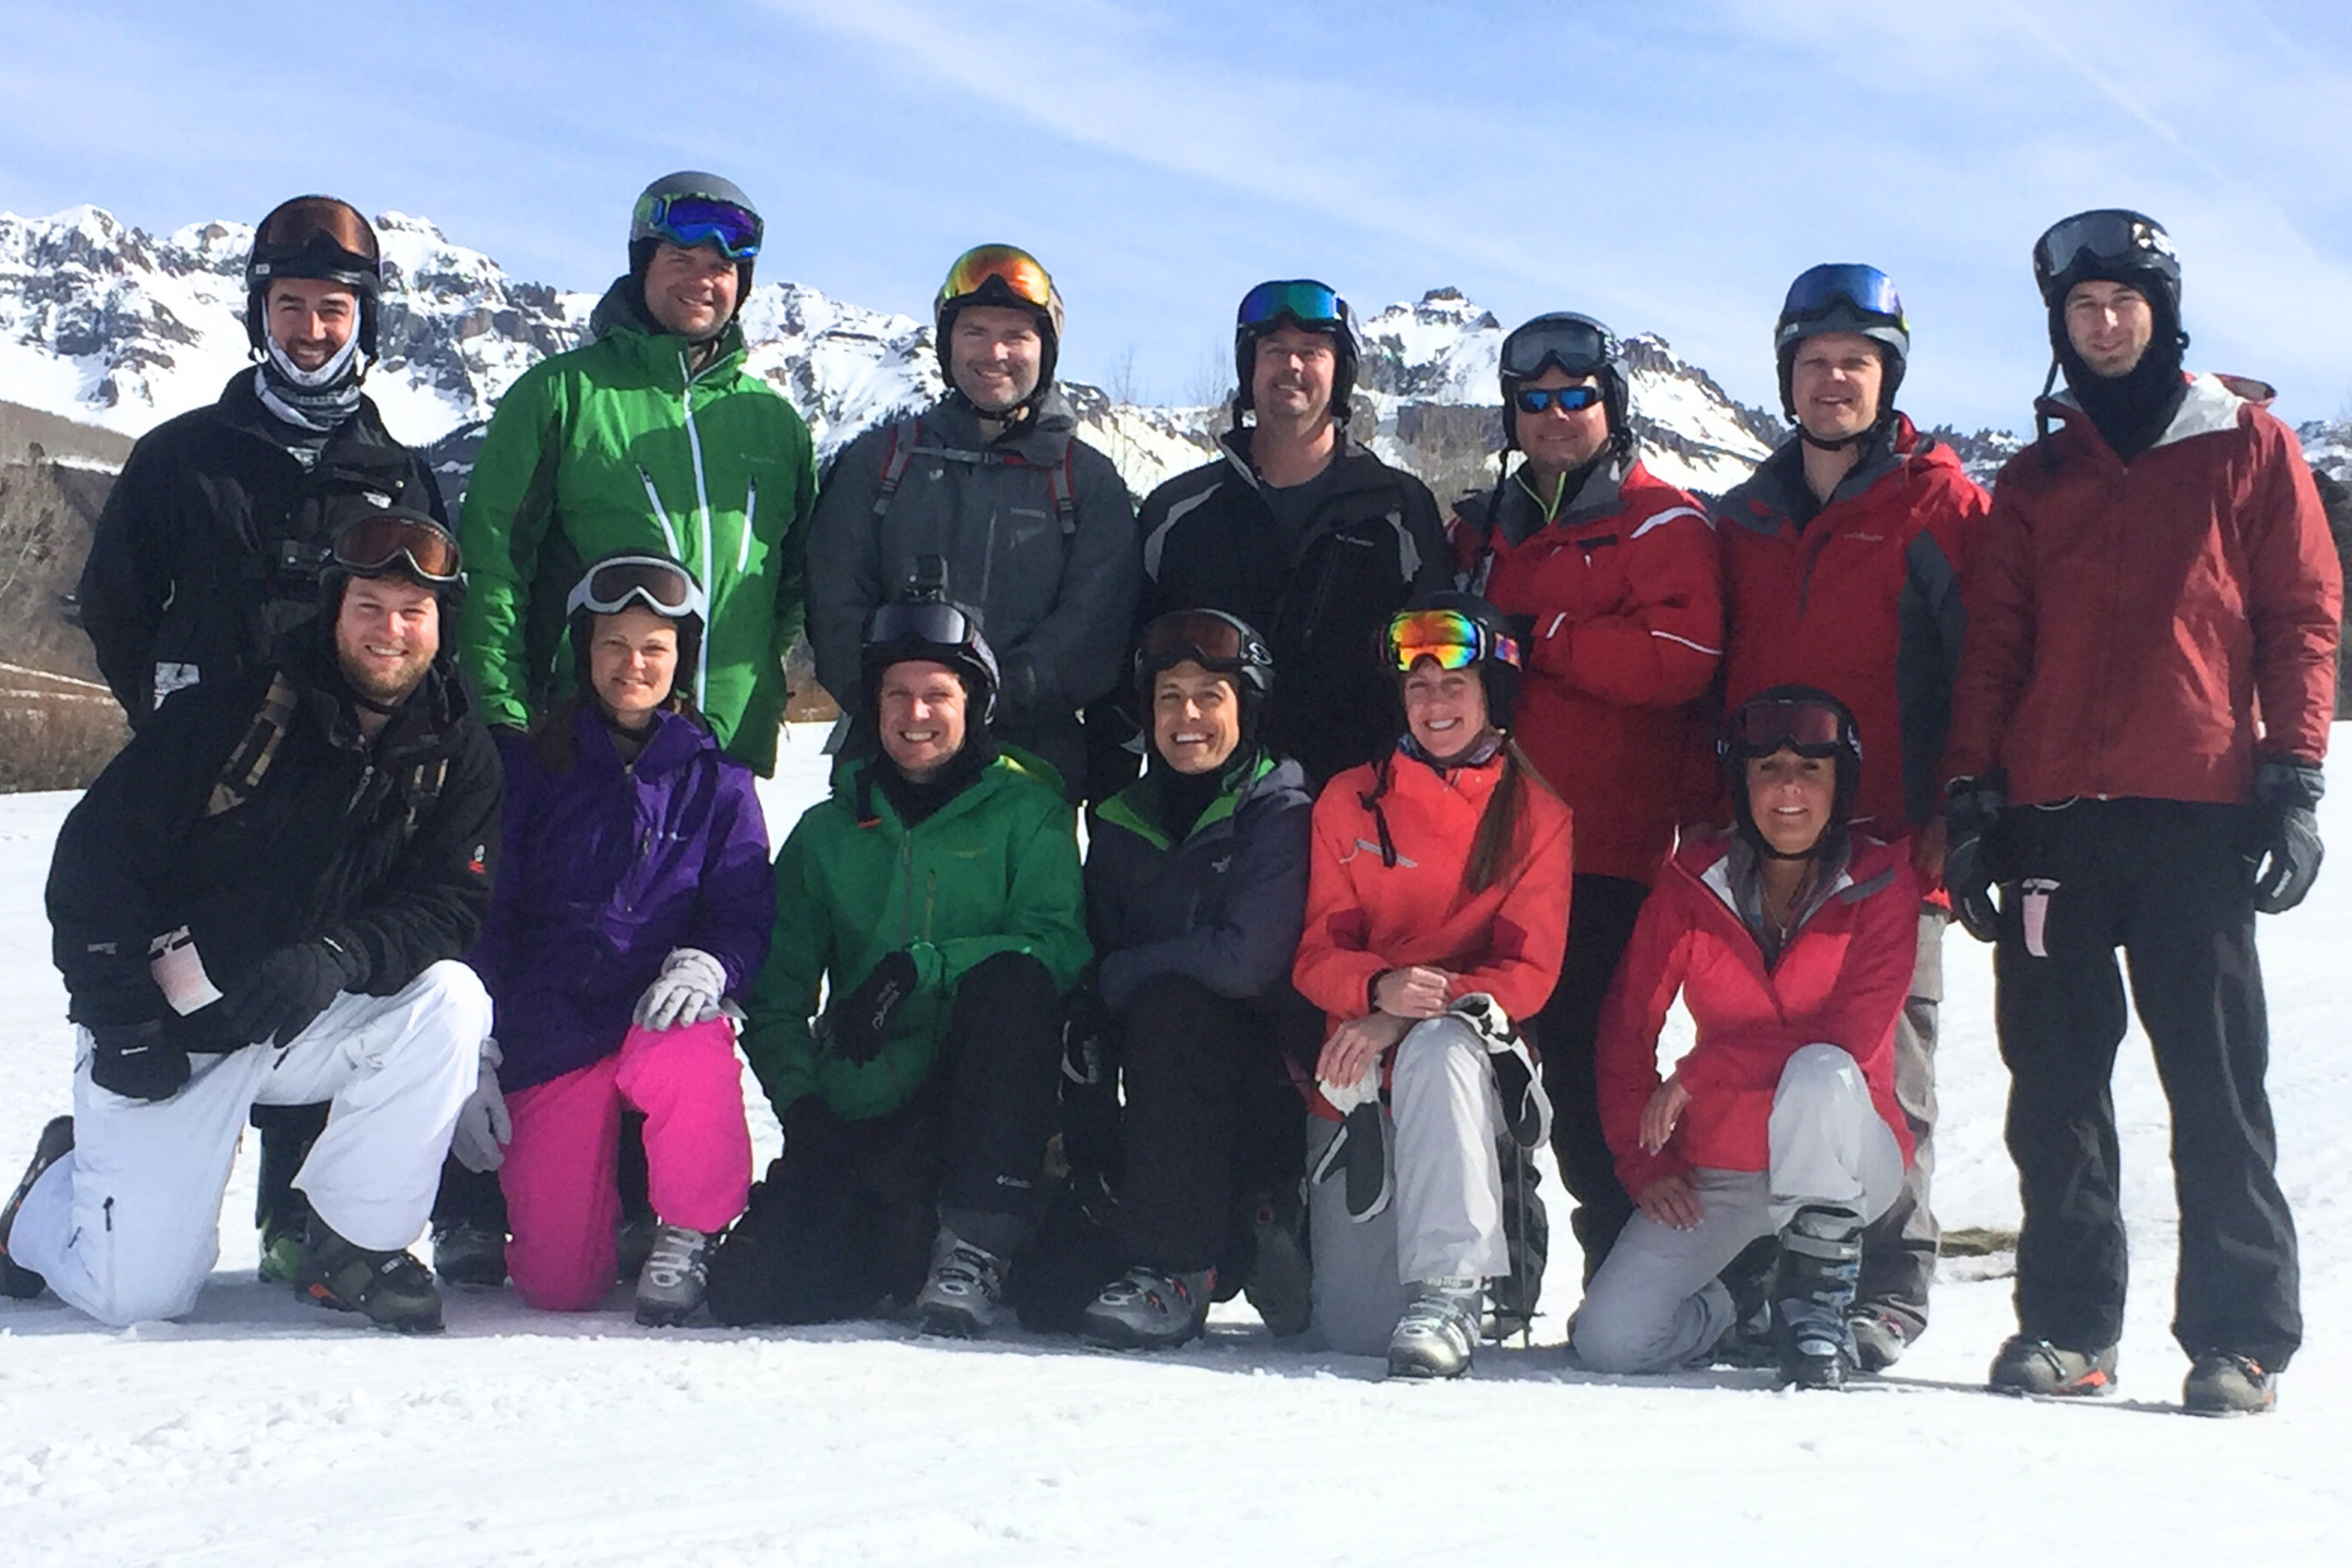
x,y
633,895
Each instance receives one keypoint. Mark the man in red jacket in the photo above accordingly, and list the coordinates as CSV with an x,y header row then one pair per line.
x,y
1842,559
2151,665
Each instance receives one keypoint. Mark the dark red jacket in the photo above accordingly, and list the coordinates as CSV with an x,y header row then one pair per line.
x,y
1861,598
2147,629
1840,981
1624,593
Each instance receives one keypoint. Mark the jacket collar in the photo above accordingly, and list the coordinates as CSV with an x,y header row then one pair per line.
x,y
1134,809
676,741
1777,487
2212,404
663,355
1040,440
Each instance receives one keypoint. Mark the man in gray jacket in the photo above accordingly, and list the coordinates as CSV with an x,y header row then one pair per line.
x,y
1033,528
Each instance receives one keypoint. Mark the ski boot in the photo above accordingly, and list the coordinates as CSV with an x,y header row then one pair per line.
x,y
1151,1310
1279,1283
966,1286
56,1141
1439,1330
392,1289
636,1245
465,1253
2223,1383
1820,1258
1880,1337
677,1276
2028,1365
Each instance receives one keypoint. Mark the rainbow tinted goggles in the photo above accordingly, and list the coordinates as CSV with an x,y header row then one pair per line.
x,y
999,271
1456,641
689,221
1302,299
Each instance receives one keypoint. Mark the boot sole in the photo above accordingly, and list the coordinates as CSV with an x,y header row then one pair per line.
x,y
1117,1336
1406,1370
948,1323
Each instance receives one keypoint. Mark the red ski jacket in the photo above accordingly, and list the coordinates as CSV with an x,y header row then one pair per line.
x,y
1840,981
1861,598
2147,629
1365,914
1625,592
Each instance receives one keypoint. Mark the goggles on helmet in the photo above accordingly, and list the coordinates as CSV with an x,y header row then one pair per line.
x,y
1807,728
1303,299
2109,237
688,221
314,237
1577,346
1000,271
1536,399
1820,290
381,544
934,622
1456,641
1210,638
647,582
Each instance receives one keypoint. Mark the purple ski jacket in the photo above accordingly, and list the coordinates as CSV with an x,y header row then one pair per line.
x,y
605,870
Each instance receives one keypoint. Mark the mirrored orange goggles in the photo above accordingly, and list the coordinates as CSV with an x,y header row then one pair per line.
x,y
1014,270
1451,638
380,542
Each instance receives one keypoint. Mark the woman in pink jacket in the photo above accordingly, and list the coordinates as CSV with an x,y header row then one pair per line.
x,y
1791,941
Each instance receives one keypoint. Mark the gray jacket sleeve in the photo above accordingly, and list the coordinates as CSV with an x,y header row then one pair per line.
x,y
1079,650
845,562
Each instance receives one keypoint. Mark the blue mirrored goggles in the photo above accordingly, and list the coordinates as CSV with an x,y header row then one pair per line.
x,y
1818,291
1303,299
1569,399
689,221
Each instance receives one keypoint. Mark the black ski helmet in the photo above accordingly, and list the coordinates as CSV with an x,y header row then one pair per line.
x,y
637,579
1576,345
1802,719
396,542
693,209
929,626
1434,622
2112,245
313,236
1843,297
1311,306
1220,643
1003,274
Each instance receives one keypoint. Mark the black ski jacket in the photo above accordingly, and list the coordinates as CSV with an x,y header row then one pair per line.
x,y
211,541
250,811
1210,540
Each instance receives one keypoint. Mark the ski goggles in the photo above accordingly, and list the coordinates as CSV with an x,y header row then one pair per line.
x,y
1808,728
933,622
1303,299
1000,271
1568,399
1454,638
311,225
1210,638
1819,290
382,541
2110,237
1577,344
646,581
689,221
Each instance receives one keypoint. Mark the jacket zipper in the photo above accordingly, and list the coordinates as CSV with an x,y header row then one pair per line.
x,y
661,513
702,500
750,510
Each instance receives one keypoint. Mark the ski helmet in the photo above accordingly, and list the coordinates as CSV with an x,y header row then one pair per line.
x,y
1577,345
396,542
1843,297
313,236
1460,631
1307,304
1800,719
1001,275
1221,643
2112,245
637,579
929,626
691,208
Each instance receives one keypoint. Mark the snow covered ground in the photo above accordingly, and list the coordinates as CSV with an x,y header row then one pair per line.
x,y
263,1430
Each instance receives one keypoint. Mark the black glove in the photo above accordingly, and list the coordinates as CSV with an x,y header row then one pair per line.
x,y
858,1024
287,990
136,1061
1972,807
2286,858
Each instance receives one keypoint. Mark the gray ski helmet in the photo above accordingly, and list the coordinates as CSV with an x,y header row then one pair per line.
x,y
1305,304
1843,297
313,236
1577,345
657,217
1003,274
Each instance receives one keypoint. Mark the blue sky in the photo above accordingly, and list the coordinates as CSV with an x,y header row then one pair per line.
x,y
1665,166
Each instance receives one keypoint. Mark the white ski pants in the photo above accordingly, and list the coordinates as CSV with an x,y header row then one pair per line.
x,y
127,1227
1446,1219
1656,1303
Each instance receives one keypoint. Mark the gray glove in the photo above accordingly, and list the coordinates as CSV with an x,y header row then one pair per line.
x,y
484,1129
686,992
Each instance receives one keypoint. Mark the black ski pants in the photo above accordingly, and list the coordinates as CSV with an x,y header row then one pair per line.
x,y
1600,915
2167,882
1212,1116
846,1214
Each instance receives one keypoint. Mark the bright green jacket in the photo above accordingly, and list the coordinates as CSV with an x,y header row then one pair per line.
x,y
615,445
993,870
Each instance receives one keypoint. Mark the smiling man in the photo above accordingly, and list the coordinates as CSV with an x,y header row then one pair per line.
x,y
1033,526
263,900
1841,563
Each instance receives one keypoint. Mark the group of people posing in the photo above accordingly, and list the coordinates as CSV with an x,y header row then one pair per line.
x,y
436,850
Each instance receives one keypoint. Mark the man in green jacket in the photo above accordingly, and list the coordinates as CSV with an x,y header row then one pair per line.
x,y
937,895
653,434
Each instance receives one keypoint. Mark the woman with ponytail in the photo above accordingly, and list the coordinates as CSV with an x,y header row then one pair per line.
x,y
1436,914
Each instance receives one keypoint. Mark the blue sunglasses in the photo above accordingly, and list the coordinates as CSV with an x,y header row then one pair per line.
x,y
1569,399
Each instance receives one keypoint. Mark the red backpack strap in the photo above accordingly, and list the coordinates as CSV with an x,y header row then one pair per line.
x,y
1061,484
897,452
